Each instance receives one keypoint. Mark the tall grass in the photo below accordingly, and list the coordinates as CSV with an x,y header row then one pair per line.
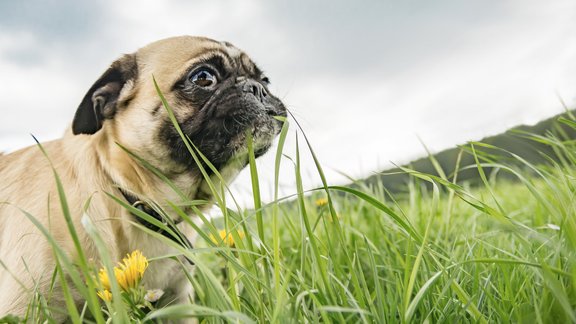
x,y
501,252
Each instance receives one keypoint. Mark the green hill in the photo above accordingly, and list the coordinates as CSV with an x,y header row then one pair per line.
x,y
521,141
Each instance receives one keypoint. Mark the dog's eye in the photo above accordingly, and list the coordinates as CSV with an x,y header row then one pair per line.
x,y
203,78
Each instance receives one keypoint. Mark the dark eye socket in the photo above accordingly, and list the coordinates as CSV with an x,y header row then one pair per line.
x,y
203,78
265,80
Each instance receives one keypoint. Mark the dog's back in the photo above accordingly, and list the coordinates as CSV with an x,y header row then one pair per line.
x,y
27,189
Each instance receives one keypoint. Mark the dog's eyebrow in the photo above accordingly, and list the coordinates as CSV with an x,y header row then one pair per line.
x,y
217,59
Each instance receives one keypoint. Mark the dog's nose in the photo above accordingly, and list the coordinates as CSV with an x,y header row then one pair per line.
x,y
255,88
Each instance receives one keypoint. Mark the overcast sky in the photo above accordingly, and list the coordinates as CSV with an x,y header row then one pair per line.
x,y
366,79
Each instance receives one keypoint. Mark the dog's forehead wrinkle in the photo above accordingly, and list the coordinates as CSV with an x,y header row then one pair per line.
x,y
241,59
226,60
232,50
246,65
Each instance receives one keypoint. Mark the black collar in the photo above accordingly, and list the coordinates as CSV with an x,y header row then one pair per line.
x,y
140,204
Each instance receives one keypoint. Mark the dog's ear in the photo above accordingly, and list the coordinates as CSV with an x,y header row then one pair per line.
x,y
101,100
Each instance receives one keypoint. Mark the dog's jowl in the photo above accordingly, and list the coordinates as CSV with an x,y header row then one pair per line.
x,y
219,98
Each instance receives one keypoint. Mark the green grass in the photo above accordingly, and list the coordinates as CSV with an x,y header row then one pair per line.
x,y
445,253
499,257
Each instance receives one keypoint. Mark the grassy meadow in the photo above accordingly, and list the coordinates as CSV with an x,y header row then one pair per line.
x,y
439,252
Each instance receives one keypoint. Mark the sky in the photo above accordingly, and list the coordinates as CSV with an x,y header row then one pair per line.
x,y
369,81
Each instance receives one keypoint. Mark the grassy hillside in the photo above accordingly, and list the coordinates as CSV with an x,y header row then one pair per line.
x,y
503,251
519,140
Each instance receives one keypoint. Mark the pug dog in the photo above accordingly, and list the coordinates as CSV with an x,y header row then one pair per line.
x,y
218,97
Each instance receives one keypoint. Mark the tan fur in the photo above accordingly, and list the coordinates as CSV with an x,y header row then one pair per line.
x,y
89,166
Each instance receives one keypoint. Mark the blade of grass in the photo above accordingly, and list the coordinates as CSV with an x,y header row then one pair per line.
x,y
92,299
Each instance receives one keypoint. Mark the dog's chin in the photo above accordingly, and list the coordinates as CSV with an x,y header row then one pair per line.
x,y
261,134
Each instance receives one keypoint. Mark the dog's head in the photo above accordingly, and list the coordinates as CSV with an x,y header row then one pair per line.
x,y
218,96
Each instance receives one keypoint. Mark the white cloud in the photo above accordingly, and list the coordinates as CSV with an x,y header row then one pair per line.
x,y
364,82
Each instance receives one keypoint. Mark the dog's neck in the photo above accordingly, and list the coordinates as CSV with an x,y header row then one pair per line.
x,y
123,170
156,221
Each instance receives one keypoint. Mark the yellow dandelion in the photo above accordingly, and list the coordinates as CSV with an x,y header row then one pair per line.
x,y
321,202
226,238
105,294
131,270
104,280
121,278
128,273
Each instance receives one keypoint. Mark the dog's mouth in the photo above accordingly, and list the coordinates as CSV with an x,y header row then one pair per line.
x,y
235,137
222,130
260,133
